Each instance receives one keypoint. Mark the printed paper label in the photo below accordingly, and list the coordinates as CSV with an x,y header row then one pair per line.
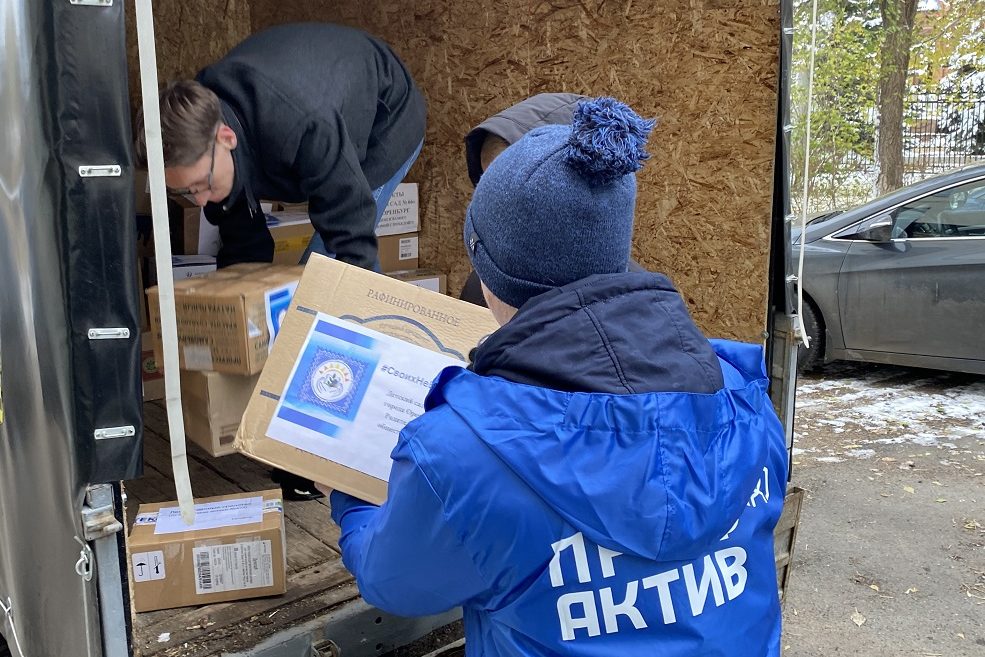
x,y
408,248
350,393
210,515
197,357
235,567
148,566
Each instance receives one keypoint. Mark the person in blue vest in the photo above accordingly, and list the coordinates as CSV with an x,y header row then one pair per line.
x,y
603,479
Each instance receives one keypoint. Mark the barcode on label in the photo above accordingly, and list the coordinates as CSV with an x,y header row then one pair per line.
x,y
203,568
233,567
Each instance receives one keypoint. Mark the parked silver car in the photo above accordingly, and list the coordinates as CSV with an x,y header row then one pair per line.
x,y
900,279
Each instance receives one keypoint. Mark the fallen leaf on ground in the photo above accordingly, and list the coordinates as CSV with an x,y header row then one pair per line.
x,y
909,489
858,618
873,587
940,500
912,590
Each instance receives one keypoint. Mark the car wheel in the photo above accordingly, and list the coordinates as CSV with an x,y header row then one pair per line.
x,y
811,357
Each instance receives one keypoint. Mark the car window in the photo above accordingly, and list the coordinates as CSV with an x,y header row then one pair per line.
x,y
954,212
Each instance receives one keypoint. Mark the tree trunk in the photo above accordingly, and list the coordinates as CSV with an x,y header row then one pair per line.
x,y
898,17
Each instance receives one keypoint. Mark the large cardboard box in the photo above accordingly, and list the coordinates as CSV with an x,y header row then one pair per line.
x,y
402,212
426,278
234,551
397,252
353,362
213,404
292,231
226,319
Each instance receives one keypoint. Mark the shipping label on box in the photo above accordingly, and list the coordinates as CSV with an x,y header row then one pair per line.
x,y
235,550
352,365
350,381
222,317
402,214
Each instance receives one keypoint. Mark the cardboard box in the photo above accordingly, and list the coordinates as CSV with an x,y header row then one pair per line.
x,y
226,319
426,278
234,551
398,252
292,231
359,379
213,404
402,213
151,376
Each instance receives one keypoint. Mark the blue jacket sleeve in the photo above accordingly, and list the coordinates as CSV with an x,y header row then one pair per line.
x,y
406,558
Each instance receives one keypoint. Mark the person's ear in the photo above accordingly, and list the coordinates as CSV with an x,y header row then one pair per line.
x,y
227,136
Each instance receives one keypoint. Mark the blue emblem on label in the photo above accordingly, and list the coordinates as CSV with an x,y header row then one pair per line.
x,y
331,378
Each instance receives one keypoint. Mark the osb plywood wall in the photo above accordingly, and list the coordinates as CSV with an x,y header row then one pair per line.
x,y
707,68
191,34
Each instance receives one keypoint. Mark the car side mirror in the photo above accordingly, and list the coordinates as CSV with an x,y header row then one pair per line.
x,y
880,230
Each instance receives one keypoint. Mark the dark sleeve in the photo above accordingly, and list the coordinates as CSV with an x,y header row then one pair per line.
x,y
340,200
406,557
245,236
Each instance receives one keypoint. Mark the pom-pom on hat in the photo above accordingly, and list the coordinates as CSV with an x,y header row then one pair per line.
x,y
558,205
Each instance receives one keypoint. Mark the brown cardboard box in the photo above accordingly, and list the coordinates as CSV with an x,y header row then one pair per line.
x,y
231,558
292,231
426,278
151,376
213,404
398,252
361,368
222,317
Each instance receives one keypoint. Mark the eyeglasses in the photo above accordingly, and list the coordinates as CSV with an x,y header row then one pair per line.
x,y
187,192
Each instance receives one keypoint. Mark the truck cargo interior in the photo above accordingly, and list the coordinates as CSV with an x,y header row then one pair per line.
x,y
710,214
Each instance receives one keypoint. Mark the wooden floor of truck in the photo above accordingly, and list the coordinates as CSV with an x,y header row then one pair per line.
x,y
316,579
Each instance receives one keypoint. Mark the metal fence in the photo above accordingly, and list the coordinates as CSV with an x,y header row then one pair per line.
x,y
942,132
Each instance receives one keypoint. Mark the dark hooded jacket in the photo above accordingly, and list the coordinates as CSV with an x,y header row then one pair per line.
x,y
322,113
605,482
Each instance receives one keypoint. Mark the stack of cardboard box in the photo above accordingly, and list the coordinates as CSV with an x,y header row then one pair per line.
x,y
226,323
220,372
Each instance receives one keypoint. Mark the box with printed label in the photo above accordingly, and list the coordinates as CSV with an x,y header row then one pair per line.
x,y
213,404
226,319
352,365
292,231
397,252
402,213
234,551
426,278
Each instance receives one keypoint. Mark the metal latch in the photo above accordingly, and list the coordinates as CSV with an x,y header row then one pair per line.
x,y
99,514
98,170
325,648
108,433
108,333
92,3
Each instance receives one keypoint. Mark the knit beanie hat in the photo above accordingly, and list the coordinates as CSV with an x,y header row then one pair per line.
x,y
558,205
